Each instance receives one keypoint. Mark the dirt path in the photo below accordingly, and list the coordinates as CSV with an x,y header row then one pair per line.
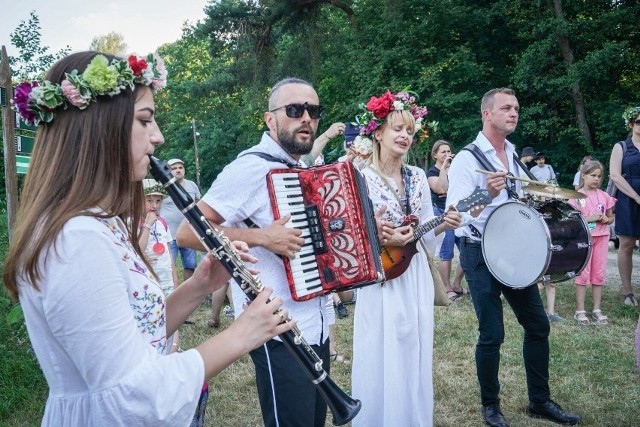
x,y
613,279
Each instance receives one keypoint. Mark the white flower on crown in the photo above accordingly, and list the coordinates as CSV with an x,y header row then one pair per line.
x,y
363,145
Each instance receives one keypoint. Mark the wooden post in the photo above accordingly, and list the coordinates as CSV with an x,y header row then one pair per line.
x,y
8,138
195,149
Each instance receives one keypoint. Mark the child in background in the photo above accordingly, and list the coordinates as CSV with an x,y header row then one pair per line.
x,y
597,209
154,239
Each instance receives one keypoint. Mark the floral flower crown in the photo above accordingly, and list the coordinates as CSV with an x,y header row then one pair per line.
x,y
630,114
151,186
37,102
378,108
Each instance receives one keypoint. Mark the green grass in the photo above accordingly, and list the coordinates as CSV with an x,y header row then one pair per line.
x,y
592,369
23,389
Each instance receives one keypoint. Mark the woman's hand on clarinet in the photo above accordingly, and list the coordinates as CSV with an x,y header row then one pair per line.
x,y
261,320
211,274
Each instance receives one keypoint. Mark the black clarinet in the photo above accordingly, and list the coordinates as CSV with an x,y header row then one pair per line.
x,y
343,407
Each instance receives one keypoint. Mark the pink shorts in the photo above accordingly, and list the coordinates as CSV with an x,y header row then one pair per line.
x,y
594,272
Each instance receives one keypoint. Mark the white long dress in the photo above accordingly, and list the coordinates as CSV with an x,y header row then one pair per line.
x,y
393,327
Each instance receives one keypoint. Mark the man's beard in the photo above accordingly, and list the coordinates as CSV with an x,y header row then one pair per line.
x,y
289,143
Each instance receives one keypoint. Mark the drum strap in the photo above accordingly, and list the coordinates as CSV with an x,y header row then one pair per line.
x,y
524,168
486,164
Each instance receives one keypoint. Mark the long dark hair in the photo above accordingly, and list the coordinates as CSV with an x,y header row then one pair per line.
x,y
81,161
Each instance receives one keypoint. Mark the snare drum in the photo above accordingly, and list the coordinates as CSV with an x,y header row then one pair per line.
x,y
523,245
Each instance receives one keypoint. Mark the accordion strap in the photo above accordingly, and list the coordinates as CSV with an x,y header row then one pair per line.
x,y
269,158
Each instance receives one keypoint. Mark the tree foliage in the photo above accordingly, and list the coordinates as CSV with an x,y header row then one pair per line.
x,y
33,58
112,43
572,64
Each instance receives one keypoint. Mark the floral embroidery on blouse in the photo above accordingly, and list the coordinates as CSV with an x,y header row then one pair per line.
x,y
145,295
396,212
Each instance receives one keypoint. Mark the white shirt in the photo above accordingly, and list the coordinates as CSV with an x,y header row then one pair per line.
x,y
240,192
97,327
576,179
463,180
158,254
543,173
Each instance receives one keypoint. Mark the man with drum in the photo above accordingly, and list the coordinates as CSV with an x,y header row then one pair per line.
x,y
499,109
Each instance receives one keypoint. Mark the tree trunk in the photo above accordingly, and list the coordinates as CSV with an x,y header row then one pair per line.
x,y
576,94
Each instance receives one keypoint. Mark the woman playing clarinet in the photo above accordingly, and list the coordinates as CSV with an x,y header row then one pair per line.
x,y
96,315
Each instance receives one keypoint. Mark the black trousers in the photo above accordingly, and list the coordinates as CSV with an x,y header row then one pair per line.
x,y
287,396
529,310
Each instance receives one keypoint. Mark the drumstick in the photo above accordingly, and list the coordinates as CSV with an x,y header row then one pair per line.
x,y
530,181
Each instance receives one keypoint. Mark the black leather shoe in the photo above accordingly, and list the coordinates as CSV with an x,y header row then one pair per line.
x,y
493,416
551,411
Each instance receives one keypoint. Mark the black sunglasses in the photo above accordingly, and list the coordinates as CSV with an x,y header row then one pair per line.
x,y
636,122
295,111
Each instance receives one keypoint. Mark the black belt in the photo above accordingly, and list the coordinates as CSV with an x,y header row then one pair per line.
x,y
469,241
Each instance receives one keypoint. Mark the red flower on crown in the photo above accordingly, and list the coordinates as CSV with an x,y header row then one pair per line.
x,y
380,107
137,65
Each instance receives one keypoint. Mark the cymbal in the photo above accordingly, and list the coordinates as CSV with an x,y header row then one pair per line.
x,y
552,191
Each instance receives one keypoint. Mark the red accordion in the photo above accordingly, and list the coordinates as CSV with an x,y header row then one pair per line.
x,y
331,206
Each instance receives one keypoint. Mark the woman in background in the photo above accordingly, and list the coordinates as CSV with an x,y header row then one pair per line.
x,y
624,171
439,184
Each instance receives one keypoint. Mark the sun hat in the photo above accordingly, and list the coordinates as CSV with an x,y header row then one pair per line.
x,y
153,188
172,162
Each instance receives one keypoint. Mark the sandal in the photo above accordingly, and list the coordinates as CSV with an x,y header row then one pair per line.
x,y
462,292
453,296
600,318
336,357
581,317
630,299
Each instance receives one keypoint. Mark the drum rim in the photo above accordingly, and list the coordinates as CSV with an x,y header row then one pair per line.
x,y
547,236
